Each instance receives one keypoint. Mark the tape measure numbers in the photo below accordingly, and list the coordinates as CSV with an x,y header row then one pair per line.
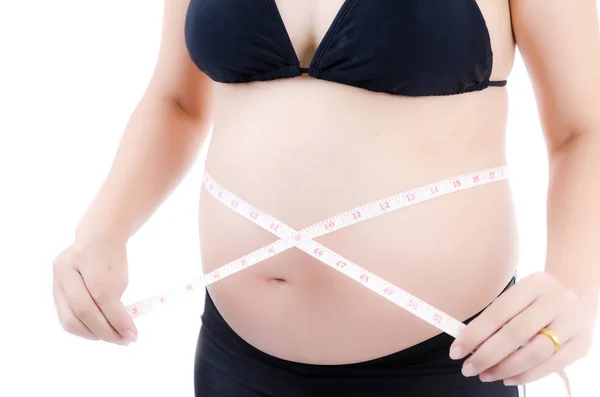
x,y
303,240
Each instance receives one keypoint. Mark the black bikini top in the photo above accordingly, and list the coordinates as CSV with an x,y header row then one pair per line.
x,y
402,47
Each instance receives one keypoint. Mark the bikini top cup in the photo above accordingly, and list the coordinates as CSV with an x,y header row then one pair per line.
x,y
401,47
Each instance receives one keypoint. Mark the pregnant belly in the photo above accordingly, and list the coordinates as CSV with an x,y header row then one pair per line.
x,y
456,252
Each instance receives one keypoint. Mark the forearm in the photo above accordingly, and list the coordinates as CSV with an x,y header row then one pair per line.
x,y
160,143
573,251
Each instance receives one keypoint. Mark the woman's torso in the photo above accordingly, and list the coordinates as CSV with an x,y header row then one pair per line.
x,y
303,150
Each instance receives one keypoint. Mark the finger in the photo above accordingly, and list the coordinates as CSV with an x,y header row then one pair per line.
x,y
85,309
498,313
568,354
515,333
102,290
539,349
68,319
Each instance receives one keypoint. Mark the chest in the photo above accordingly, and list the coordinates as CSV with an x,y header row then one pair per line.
x,y
307,22
409,47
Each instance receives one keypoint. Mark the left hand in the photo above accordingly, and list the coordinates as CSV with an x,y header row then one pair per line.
x,y
514,319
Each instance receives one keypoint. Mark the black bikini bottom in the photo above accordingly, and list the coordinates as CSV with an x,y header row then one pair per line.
x,y
227,366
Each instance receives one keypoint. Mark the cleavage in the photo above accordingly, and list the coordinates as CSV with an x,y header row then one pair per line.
x,y
306,23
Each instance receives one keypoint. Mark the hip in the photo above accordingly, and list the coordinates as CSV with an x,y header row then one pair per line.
x,y
226,365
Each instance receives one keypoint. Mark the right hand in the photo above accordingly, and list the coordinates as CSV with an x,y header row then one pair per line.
x,y
89,279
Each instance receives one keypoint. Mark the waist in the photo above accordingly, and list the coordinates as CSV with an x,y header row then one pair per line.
x,y
428,249
213,322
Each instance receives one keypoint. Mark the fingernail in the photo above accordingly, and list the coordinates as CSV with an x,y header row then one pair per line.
x,y
510,382
485,377
469,370
456,353
130,336
123,342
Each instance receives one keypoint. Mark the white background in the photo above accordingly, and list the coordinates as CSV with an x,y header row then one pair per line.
x,y
71,73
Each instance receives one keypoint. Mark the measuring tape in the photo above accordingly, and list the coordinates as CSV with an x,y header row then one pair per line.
x,y
303,240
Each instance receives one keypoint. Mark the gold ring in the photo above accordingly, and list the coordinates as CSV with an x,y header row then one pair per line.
x,y
550,334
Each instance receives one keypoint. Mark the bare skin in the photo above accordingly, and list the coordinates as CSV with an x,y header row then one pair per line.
x,y
311,149
303,150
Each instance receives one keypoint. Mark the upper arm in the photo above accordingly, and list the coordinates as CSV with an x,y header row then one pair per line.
x,y
560,45
175,75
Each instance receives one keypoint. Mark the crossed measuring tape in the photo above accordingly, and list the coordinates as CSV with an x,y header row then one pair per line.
x,y
304,240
